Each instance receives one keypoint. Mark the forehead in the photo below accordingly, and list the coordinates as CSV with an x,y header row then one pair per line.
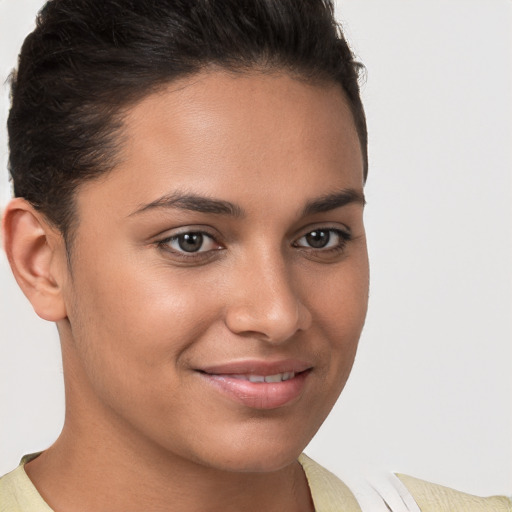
x,y
235,136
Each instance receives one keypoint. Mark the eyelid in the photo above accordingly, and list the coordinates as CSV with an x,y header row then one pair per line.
x,y
204,237
163,242
340,228
167,234
344,235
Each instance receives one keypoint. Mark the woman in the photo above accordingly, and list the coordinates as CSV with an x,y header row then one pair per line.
x,y
189,183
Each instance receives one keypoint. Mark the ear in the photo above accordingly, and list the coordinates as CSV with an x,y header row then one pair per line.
x,y
37,255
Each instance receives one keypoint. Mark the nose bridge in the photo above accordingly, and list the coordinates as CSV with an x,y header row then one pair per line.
x,y
267,302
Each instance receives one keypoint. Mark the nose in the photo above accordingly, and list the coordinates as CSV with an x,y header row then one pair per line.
x,y
266,302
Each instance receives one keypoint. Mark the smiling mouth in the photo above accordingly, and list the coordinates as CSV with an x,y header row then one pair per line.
x,y
259,390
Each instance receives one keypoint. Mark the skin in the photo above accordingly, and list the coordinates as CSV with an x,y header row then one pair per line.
x,y
138,316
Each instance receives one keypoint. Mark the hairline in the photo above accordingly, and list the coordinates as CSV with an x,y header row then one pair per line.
x,y
117,123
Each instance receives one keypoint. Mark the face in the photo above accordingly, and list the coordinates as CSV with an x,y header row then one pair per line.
x,y
219,274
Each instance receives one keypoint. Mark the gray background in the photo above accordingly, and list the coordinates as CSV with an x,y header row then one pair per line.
x,y
430,394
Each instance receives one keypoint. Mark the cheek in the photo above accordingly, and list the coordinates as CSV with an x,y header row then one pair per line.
x,y
140,301
340,299
339,304
128,322
131,338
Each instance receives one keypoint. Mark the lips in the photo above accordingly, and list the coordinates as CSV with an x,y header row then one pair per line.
x,y
259,384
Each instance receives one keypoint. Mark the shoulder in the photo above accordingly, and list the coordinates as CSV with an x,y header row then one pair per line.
x,y
18,494
391,493
437,498
11,490
329,493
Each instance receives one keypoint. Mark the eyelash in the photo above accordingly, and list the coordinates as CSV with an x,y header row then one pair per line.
x,y
189,256
344,237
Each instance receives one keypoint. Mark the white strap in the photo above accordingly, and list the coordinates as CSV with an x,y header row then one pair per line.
x,y
382,492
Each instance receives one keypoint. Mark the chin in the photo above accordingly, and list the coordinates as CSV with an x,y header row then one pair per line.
x,y
257,453
261,462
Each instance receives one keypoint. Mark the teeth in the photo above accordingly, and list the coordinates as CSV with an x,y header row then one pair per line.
x,y
278,377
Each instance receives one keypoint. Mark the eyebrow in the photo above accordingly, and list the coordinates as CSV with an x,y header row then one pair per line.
x,y
203,204
194,203
332,201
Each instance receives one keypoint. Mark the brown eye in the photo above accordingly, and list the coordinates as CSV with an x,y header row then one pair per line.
x,y
323,239
318,239
190,242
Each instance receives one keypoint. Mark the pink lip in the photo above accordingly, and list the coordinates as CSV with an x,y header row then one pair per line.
x,y
257,367
258,395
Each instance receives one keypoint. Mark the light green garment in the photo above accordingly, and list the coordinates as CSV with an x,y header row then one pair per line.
x,y
330,494
436,498
17,492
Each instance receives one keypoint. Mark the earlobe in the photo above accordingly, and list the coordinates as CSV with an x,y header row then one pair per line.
x,y
36,253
